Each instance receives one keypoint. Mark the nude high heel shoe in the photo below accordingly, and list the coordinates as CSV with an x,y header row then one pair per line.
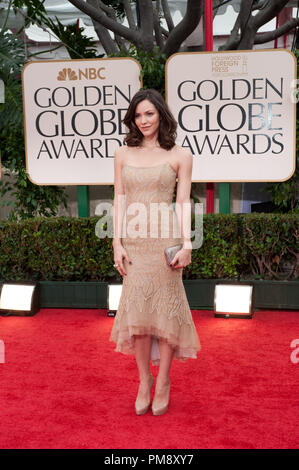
x,y
141,407
159,407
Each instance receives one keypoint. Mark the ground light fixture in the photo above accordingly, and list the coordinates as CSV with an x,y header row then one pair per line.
x,y
19,298
233,300
114,293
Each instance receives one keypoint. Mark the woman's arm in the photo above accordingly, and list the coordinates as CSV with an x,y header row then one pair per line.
x,y
119,197
183,203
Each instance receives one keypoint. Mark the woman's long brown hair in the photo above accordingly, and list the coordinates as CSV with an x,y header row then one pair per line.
x,y
167,129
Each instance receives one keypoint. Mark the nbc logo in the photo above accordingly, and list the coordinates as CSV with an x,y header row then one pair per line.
x,y
90,73
65,74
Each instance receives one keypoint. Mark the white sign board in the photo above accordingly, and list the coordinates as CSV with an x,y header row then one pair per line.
x,y
72,116
236,112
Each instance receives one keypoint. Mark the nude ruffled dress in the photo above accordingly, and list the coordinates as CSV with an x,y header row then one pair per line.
x,y
153,298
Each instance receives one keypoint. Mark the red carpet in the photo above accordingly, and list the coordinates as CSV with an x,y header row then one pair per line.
x,y
64,387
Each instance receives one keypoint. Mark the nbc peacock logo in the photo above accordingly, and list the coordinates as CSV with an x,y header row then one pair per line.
x,y
67,74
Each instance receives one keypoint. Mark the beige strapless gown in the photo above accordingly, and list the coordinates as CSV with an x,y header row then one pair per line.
x,y
153,298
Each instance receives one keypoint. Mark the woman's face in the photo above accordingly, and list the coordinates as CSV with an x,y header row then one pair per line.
x,y
147,118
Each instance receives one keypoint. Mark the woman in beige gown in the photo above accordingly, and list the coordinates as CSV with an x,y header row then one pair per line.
x,y
153,320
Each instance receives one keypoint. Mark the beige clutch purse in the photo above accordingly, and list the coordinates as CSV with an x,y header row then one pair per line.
x,y
171,251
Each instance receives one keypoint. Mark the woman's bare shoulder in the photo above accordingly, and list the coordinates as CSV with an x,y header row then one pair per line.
x,y
121,150
184,155
182,151
120,154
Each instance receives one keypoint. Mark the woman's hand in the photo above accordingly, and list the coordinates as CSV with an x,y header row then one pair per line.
x,y
119,254
181,259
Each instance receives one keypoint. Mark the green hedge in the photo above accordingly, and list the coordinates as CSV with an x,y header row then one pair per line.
x,y
252,246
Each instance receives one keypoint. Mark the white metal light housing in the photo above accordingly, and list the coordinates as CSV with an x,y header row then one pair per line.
x,y
233,300
19,298
114,293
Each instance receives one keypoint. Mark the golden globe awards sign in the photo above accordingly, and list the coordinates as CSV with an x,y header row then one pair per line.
x,y
236,112
73,111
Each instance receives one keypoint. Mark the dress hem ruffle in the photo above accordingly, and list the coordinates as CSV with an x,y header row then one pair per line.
x,y
124,341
